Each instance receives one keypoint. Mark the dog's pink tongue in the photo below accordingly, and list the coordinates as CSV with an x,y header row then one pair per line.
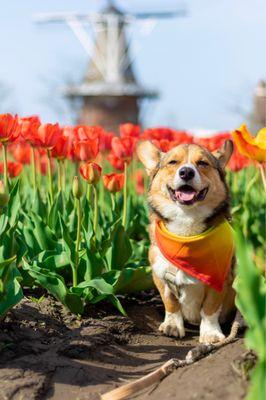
x,y
186,196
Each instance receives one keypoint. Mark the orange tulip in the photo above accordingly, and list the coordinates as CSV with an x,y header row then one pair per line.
x,y
251,147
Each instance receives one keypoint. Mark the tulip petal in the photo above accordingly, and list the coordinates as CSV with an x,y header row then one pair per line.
x,y
247,149
260,139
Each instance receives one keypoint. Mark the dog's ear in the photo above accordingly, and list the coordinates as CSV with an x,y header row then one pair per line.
x,y
223,154
149,155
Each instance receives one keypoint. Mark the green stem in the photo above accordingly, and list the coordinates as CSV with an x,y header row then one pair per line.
x,y
63,174
50,181
75,270
89,193
124,218
250,184
113,201
6,182
59,172
263,177
95,208
235,182
33,169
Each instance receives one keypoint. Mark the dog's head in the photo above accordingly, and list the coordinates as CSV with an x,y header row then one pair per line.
x,y
186,178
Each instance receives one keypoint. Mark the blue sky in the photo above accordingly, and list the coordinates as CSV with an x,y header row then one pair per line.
x,y
205,66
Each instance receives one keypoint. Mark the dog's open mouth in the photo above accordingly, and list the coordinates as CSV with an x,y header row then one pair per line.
x,y
187,195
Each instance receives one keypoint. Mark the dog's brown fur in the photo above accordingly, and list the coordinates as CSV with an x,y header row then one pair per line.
x,y
189,220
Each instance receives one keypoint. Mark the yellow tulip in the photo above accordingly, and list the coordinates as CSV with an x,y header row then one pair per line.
x,y
251,147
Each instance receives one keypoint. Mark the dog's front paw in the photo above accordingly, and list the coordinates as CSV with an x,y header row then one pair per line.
x,y
211,337
210,331
173,325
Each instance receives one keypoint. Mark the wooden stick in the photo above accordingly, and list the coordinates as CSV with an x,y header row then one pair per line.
x,y
168,367
142,383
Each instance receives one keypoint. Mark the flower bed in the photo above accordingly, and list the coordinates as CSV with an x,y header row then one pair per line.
x,y
74,219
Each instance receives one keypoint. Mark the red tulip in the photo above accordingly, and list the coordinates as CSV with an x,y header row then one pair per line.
x,y
238,161
83,132
180,137
29,128
116,162
167,134
114,182
14,168
41,152
42,164
62,148
158,133
106,140
123,148
22,153
9,128
214,142
164,145
86,150
129,130
47,135
140,187
91,172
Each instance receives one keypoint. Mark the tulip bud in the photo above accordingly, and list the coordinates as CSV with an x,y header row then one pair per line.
x,y
76,188
4,196
91,172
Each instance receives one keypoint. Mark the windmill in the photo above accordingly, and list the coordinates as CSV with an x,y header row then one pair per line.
x,y
109,92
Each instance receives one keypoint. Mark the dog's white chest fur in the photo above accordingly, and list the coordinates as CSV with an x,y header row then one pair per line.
x,y
189,291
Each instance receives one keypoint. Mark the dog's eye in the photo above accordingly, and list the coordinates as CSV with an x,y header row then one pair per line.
x,y
202,163
173,162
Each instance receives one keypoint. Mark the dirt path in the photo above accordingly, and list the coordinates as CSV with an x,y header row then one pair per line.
x,y
46,353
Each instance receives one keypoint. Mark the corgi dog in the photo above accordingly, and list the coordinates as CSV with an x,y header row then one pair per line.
x,y
188,200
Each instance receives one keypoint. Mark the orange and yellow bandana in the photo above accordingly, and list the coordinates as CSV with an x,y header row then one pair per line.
x,y
206,257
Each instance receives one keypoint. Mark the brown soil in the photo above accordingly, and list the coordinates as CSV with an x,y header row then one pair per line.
x,y
47,353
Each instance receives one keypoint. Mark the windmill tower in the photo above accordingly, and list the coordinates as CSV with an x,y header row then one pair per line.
x,y
259,106
109,93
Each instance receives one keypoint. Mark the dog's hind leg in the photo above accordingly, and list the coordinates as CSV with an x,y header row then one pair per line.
x,y
173,324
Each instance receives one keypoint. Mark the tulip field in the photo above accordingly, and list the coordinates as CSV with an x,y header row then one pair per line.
x,y
73,218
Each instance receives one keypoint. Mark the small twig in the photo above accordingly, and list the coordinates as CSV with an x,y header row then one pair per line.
x,y
168,367
202,350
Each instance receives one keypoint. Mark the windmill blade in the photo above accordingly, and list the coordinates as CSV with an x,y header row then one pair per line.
x,y
98,16
161,15
62,17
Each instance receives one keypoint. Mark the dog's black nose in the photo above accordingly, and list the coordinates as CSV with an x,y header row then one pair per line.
x,y
186,173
